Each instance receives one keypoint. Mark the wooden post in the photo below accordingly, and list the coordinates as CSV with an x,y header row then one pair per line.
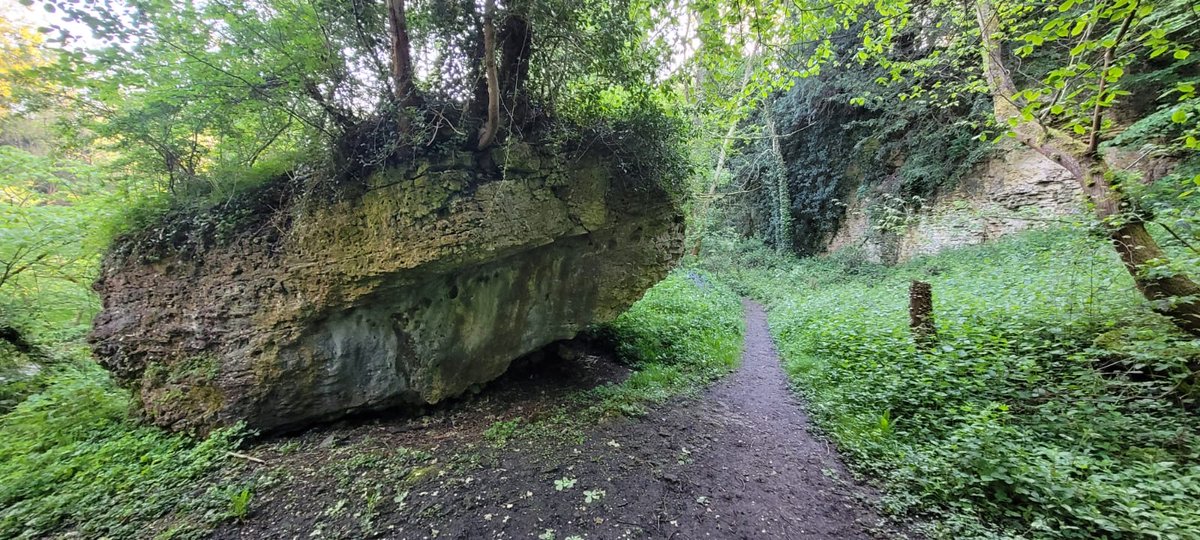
x,y
920,313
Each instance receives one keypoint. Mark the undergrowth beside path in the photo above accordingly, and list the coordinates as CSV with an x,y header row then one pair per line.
x,y
685,332
1054,403
73,461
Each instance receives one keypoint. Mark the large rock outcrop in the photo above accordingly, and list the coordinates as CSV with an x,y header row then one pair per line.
x,y
1013,190
424,281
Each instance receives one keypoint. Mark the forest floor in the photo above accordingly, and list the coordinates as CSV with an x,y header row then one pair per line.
x,y
738,460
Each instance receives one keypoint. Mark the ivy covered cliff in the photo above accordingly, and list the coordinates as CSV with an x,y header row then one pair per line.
x,y
857,157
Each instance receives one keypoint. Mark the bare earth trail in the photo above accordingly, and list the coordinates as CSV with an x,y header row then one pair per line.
x,y
772,476
738,461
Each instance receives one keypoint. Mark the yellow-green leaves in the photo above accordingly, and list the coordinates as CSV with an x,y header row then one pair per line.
x,y
1079,26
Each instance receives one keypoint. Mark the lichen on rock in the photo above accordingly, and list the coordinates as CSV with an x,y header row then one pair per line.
x,y
427,280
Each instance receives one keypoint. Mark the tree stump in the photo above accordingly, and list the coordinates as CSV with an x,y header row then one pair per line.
x,y
920,313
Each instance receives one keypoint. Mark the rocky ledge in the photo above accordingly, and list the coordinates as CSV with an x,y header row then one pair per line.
x,y
425,280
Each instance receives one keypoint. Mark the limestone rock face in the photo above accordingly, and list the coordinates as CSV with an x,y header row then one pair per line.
x,y
425,282
1014,190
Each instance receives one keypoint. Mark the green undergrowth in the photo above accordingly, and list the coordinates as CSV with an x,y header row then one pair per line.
x,y
1052,404
73,464
684,333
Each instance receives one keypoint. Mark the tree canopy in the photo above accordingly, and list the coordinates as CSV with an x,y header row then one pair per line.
x,y
202,92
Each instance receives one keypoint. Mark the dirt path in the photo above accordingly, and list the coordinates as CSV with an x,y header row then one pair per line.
x,y
759,471
736,462
774,478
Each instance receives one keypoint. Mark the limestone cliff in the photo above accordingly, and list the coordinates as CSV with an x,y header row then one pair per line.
x,y
427,279
1013,190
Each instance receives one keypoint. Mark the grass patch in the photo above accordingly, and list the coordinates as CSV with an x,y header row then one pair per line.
x,y
502,430
1054,404
685,332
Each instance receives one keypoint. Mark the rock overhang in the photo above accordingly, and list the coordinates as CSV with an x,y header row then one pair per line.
x,y
427,281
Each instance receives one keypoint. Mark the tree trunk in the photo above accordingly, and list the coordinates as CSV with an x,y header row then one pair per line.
x,y
1177,296
477,109
516,46
783,207
702,213
488,132
402,68
701,216
920,313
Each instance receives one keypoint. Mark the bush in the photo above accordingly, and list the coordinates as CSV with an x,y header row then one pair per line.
x,y
1054,404
71,459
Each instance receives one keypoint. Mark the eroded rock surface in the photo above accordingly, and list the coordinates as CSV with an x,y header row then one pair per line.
x,y
423,283
1013,190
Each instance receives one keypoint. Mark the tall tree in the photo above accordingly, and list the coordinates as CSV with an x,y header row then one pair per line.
x,y
488,132
402,69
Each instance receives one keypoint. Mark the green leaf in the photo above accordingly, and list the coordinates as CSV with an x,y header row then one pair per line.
x,y
1179,116
1181,54
1079,26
